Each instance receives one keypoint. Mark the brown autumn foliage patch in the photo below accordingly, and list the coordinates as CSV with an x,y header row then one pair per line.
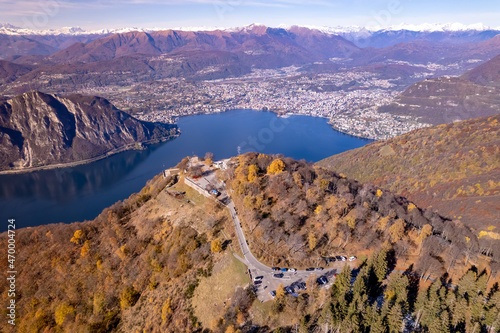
x,y
452,168
303,213
135,266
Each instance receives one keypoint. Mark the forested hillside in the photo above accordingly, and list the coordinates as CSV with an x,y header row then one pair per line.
x,y
454,169
446,99
295,213
134,267
162,261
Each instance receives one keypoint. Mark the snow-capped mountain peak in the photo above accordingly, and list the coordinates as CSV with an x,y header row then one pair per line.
x,y
433,27
8,29
424,27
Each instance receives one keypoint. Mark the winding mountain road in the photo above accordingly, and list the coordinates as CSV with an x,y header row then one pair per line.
x,y
252,262
257,269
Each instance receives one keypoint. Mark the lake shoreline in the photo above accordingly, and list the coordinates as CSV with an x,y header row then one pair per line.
x,y
284,115
154,141
144,145
80,192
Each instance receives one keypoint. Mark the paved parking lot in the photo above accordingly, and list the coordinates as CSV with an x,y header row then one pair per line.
x,y
270,283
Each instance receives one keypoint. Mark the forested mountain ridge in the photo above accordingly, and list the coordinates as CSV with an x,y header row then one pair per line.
x,y
217,54
447,99
156,260
454,169
135,266
297,212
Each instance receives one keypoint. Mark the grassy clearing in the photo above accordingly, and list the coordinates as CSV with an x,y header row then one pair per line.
x,y
261,314
230,232
191,194
228,274
260,311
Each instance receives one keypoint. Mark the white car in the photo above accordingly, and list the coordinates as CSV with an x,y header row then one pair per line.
x,y
292,270
352,258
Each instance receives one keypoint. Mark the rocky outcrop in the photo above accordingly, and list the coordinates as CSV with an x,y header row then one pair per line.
x,y
38,129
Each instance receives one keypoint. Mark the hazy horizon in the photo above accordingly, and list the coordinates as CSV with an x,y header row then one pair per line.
x,y
148,14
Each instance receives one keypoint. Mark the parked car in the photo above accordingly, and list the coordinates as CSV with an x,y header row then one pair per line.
x,y
273,293
301,286
330,259
278,276
339,258
275,268
257,282
292,269
352,258
258,278
310,269
289,290
322,280
319,268
343,258
284,269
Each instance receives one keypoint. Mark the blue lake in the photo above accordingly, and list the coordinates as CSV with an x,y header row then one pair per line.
x,y
82,192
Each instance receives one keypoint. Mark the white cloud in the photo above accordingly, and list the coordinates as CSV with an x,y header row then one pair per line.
x,y
24,5
228,2
33,7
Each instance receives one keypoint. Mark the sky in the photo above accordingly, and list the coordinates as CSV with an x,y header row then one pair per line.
x,y
112,14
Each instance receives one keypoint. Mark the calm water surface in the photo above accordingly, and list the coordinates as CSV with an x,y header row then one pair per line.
x,y
82,192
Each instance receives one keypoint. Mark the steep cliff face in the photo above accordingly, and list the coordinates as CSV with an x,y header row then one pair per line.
x,y
37,129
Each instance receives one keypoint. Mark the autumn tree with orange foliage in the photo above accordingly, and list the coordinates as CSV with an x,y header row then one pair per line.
x,y
397,230
216,246
276,167
252,172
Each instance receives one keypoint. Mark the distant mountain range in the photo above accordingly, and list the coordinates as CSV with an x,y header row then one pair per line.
x,y
408,32
162,54
38,129
62,62
67,60
260,42
404,33
361,36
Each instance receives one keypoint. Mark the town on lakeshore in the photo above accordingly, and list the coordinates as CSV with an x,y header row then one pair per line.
x,y
349,100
